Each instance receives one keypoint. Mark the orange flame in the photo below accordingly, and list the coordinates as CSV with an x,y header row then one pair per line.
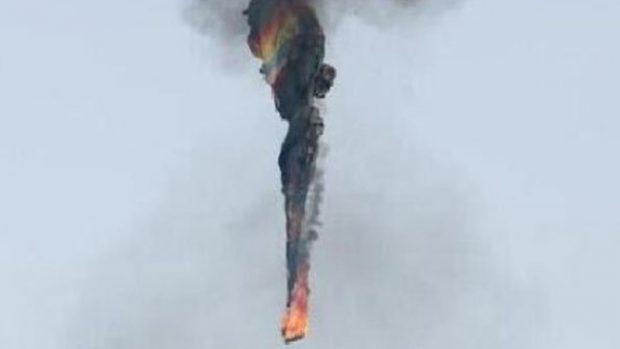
x,y
295,320
273,36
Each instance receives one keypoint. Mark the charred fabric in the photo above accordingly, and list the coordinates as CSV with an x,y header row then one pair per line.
x,y
287,37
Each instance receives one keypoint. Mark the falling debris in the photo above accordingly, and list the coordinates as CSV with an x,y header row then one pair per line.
x,y
287,36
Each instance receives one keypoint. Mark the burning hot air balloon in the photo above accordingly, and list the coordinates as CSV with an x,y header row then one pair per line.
x,y
287,37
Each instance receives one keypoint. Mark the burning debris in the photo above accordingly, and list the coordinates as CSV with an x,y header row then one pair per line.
x,y
287,36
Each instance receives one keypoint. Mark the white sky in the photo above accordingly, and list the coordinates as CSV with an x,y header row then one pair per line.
x,y
472,186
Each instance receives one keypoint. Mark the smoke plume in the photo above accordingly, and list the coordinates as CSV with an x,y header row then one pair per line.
x,y
289,38
220,18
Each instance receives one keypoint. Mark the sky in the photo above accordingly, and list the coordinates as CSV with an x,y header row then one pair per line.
x,y
471,181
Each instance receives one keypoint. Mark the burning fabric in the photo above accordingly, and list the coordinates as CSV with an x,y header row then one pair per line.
x,y
287,36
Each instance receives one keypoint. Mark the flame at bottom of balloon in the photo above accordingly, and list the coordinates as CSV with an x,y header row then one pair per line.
x,y
295,320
